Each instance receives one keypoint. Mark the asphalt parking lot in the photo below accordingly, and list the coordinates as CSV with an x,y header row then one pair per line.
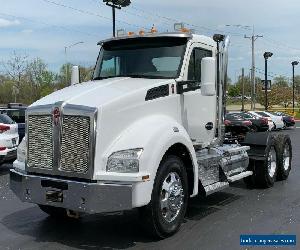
x,y
215,222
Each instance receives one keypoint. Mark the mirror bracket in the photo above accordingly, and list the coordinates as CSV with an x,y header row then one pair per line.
x,y
186,86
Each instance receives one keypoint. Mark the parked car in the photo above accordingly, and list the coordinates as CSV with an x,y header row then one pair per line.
x,y
237,124
278,120
9,138
17,114
259,124
289,121
270,121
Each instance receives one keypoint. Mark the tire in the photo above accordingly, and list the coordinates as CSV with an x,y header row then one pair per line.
x,y
285,158
163,216
284,125
55,212
265,171
255,129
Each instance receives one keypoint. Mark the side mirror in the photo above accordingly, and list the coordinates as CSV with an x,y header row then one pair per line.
x,y
208,76
75,75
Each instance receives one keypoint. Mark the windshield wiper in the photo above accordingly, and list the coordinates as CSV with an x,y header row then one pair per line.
x,y
130,75
103,77
135,76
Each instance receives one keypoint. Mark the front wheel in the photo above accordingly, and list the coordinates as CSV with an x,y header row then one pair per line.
x,y
163,216
285,160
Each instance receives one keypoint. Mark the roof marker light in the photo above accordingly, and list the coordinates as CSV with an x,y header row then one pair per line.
x,y
120,32
153,29
178,26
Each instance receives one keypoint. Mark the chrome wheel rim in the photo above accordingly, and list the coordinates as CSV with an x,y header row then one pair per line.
x,y
171,197
272,164
286,157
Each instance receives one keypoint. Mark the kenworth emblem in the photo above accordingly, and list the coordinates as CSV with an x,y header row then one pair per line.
x,y
56,116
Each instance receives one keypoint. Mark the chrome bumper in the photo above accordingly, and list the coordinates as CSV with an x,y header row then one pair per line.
x,y
74,195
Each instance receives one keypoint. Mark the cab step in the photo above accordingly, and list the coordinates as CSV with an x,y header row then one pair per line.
x,y
239,176
215,187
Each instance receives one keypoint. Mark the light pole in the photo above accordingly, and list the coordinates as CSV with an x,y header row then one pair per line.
x,y
294,63
266,56
68,47
253,38
116,4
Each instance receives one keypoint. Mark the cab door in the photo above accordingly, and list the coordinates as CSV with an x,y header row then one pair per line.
x,y
198,112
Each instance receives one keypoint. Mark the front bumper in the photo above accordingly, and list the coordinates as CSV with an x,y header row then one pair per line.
x,y
74,195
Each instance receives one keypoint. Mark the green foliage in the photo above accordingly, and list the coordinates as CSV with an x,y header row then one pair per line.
x,y
281,81
279,95
27,81
233,90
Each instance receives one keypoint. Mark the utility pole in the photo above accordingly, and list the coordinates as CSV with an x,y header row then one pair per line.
x,y
253,38
243,90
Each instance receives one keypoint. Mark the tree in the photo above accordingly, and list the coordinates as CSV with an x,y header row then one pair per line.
x,y
64,77
15,69
86,74
247,85
39,78
278,95
281,81
297,84
233,90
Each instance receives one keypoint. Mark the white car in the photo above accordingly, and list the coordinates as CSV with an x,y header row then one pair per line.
x,y
9,138
270,121
277,120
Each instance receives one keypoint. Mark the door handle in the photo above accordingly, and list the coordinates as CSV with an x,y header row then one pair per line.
x,y
209,126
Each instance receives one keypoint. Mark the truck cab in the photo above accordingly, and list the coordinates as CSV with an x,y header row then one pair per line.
x,y
146,132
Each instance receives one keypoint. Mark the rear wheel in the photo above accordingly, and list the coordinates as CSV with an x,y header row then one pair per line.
x,y
255,128
285,160
165,213
265,171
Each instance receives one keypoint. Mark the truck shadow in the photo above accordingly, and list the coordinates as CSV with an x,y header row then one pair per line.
x,y
4,168
200,207
121,230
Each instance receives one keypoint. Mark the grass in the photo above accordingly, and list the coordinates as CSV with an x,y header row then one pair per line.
x,y
297,115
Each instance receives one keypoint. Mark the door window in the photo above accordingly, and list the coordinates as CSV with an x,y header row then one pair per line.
x,y
194,72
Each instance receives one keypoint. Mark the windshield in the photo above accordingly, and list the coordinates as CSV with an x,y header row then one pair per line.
x,y
263,114
158,57
5,119
17,115
245,115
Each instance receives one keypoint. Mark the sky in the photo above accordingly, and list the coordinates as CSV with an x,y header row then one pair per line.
x,y
43,28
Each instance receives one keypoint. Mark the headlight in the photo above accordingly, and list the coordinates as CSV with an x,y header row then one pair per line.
x,y
21,151
126,161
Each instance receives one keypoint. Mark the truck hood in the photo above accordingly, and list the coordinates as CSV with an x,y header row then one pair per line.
x,y
97,93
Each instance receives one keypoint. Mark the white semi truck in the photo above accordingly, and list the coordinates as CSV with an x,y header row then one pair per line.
x,y
146,132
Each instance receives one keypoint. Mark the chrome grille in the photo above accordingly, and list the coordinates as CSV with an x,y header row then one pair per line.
x,y
40,143
75,144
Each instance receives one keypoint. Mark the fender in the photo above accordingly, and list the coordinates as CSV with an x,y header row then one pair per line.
x,y
155,134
